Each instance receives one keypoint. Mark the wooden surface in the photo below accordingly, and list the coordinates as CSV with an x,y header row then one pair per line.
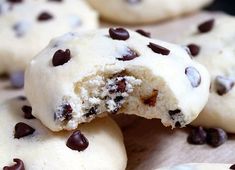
x,y
149,144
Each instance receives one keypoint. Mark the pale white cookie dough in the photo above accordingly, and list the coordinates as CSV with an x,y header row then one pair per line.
x,y
105,75
23,35
48,151
217,53
199,166
145,11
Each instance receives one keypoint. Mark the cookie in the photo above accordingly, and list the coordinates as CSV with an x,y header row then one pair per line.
x,y
200,166
114,71
28,25
211,44
27,144
144,11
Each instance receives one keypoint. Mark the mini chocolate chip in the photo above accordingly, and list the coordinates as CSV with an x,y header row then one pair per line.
x,y
17,79
232,166
144,33
193,76
194,49
14,1
22,130
216,137
151,100
27,112
44,16
92,111
19,165
77,141
197,136
119,33
159,49
121,85
23,98
174,112
129,56
223,85
118,99
177,124
61,57
206,26
67,112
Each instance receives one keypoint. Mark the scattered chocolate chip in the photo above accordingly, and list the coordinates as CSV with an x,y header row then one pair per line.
x,y
194,49
197,136
216,137
61,57
27,112
129,56
44,16
77,141
92,111
119,33
133,1
22,130
14,1
67,112
177,124
23,98
193,76
121,85
174,112
17,79
144,33
223,85
151,100
159,49
19,165
232,166
206,26
118,99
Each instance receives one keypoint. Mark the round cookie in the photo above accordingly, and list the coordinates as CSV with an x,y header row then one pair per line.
x,y
97,145
199,166
213,47
144,11
28,25
78,77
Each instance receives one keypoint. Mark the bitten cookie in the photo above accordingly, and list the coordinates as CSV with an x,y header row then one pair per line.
x,y
145,11
200,166
78,77
26,144
28,25
212,44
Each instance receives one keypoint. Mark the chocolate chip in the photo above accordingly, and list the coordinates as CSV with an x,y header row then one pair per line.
x,y
206,26
77,141
121,85
194,49
22,130
23,98
17,79
14,1
67,112
159,49
197,136
118,99
27,112
223,85
19,165
144,33
151,100
55,0
44,16
216,137
174,112
177,124
119,33
129,56
193,76
61,57
92,111
232,166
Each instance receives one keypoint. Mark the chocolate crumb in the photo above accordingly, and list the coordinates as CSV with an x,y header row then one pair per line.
x,y
92,111
174,112
77,141
151,100
67,112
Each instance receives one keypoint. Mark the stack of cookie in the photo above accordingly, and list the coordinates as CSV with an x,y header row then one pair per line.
x,y
81,78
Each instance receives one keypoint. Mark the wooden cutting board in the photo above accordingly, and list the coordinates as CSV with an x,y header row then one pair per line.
x,y
150,145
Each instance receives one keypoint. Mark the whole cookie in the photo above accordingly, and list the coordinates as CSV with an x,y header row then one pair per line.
x,y
200,166
212,44
144,11
34,147
114,71
28,25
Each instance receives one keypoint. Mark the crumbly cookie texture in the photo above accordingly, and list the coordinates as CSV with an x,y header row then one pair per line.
x,y
27,144
78,77
200,166
145,11
28,25
211,42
